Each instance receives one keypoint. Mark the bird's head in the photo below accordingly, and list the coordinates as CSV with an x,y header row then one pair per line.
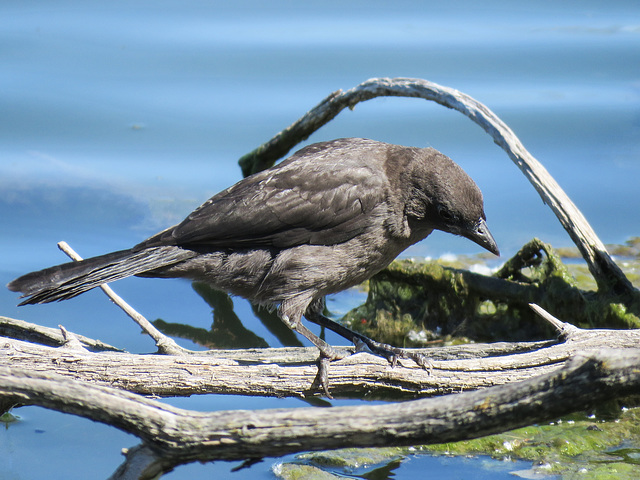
x,y
445,198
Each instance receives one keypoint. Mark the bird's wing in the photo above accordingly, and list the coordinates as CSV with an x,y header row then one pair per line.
x,y
320,204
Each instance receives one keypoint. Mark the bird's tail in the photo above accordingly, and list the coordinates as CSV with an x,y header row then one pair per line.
x,y
71,279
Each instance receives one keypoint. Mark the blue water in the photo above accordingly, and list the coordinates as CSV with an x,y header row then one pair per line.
x,y
118,118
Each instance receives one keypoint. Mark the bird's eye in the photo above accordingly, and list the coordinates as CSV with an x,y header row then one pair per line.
x,y
444,213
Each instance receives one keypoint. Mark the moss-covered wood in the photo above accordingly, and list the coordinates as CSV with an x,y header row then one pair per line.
x,y
411,303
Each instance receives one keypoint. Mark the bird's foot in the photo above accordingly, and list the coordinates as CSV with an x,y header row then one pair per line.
x,y
362,342
390,352
327,354
322,377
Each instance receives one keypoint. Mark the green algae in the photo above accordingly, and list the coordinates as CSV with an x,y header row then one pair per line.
x,y
415,303
595,446
301,471
353,458
578,445
8,418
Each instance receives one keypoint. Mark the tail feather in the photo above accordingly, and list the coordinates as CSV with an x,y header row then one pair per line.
x,y
70,279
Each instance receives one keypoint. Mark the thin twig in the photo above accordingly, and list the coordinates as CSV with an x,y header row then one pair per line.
x,y
30,332
165,344
71,341
563,328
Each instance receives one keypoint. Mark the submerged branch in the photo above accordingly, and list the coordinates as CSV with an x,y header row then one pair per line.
x,y
437,300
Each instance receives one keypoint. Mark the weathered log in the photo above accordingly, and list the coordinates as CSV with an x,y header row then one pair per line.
x,y
291,371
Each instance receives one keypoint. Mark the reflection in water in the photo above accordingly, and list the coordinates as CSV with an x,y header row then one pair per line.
x,y
227,331
270,320
383,472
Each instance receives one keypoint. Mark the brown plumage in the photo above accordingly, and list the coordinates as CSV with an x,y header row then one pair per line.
x,y
327,218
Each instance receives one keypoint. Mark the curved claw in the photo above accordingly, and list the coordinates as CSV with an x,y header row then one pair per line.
x,y
423,361
322,377
393,360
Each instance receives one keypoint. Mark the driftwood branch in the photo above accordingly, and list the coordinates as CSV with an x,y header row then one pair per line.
x,y
173,436
30,332
525,383
607,274
285,372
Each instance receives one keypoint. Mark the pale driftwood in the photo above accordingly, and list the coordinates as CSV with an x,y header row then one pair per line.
x,y
291,372
355,375
607,274
173,436
30,332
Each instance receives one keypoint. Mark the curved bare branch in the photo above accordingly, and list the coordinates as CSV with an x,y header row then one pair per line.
x,y
607,274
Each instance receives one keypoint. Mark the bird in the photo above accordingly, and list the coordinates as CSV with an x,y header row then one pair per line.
x,y
327,218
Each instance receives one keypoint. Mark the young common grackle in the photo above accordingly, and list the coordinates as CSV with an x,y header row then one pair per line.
x,y
327,218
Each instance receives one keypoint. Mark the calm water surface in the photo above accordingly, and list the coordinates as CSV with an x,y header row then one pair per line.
x,y
118,118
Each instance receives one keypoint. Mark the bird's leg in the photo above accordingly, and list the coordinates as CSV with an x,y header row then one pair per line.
x,y
391,353
327,352
325,349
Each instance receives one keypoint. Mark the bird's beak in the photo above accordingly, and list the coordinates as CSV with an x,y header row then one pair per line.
x,y
482,236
